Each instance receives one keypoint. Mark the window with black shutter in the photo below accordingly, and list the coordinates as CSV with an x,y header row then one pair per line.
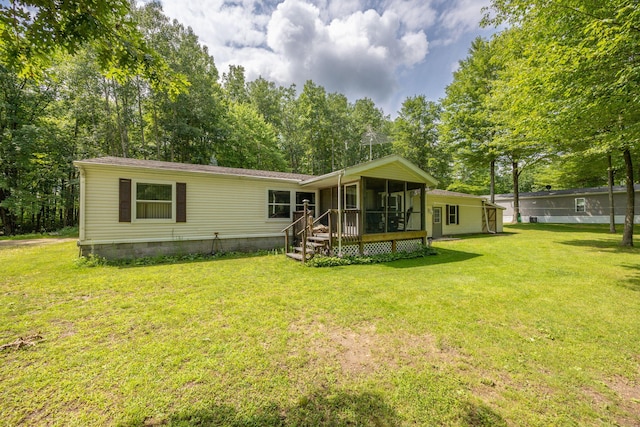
x,y
125,200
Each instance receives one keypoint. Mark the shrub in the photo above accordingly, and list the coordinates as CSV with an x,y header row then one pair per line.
x,y
334,261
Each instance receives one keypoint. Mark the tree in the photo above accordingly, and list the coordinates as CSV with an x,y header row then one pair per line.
x,y
315,128
188,127
468,124
372,129
581,63
251,142
33,31
415,136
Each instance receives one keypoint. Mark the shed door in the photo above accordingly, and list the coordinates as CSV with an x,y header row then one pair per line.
x,y
437,223
489,220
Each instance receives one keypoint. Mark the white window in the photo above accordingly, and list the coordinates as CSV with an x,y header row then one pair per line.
x,y
580,204
453,214
153,200
436,216
279,204
351,196
282,203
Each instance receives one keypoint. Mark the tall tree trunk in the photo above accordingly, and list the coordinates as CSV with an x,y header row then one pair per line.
x,y
612,210
516,192
492,185
121,126
110,137
155,127
144,145
627,234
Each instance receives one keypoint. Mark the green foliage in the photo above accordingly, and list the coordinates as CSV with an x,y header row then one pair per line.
x,y
573,78
34,31
250,142
335,261
90,260
415,137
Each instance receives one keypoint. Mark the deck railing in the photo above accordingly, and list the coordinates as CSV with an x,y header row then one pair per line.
x,y
351,226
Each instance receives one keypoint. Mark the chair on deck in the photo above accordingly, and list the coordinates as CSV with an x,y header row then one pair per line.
x,y
402,222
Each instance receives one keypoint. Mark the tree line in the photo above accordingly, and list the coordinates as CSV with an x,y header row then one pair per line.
x,y
550,100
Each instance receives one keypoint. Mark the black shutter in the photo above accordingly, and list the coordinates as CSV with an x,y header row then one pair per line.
x,y
125,200
457,214
446,214
181,202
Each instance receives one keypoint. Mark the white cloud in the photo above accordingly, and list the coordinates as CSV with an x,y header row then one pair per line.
x,y
462,17
357,54
415,14
362,48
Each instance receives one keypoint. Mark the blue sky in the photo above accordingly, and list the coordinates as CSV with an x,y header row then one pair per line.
x,y
384,50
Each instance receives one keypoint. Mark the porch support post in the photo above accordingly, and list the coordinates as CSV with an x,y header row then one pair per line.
x,y
340,213
305,204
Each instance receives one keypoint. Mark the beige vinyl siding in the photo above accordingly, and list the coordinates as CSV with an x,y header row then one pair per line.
x,y
230,206
469,211
393,172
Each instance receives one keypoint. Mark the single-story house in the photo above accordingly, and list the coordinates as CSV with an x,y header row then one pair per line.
x,y
450,213
581,205
132,208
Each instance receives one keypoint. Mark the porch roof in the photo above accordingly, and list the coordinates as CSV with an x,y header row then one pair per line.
x,y
390,167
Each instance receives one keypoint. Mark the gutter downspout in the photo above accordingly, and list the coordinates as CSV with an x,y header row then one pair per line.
x,y
340,213
486,218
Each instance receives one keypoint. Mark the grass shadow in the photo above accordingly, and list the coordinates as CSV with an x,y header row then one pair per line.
x,y
444,256
568,228
317,408
633,283
480,415
600,245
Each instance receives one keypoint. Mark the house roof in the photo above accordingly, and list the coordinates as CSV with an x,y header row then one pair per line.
x,y
368,169
185,167
390,166
445,193
568,192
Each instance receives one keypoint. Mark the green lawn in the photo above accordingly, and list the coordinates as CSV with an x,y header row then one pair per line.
x,y
536,327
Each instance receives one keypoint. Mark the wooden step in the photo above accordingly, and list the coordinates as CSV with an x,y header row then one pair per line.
x,y
310,250
316,244
318,238
298,256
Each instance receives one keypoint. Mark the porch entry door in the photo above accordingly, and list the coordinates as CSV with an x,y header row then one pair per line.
x,y
436,223
350,224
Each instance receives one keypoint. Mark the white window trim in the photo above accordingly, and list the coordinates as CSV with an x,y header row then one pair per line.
x,y
292,202
268,203
584,204
134,200
439,216
344,202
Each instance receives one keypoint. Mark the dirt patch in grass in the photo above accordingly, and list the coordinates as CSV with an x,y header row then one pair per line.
x,y
629,394
361,349
33,242
622,400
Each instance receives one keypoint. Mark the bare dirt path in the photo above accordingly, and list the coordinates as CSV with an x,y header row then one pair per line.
x,y
30,242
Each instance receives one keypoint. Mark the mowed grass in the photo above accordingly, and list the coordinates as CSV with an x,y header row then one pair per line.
x,y
539,326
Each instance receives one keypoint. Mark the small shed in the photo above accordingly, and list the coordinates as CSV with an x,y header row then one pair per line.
x,y
450,213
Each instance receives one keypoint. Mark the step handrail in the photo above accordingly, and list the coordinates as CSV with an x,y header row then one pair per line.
x,y
292,224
